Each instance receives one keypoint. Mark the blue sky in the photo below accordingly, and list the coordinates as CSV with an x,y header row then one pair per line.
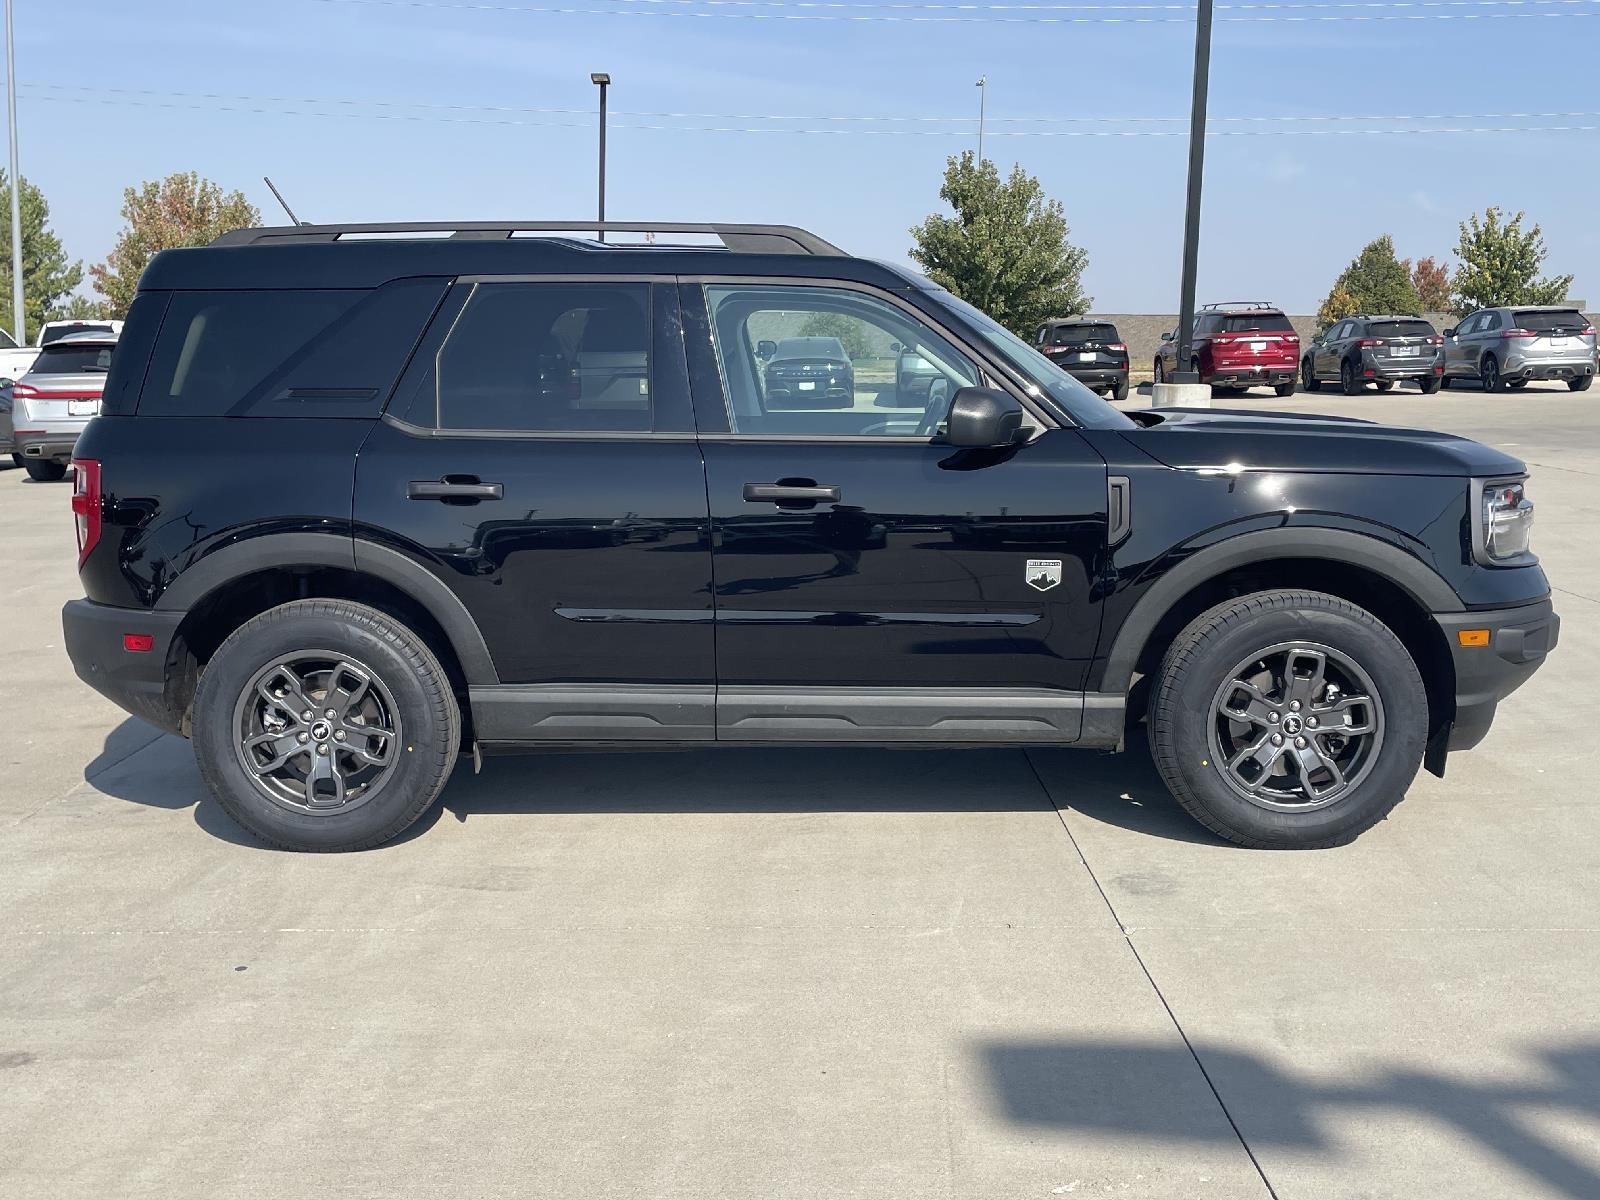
x,y
1283,214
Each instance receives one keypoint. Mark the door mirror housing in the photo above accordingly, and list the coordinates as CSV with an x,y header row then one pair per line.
x,y
1451,332
982,417
766,348
1166,337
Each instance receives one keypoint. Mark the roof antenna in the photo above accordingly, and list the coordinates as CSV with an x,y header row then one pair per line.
x,y
279,195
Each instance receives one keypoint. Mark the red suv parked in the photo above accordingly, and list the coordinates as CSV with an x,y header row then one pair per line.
x,y
1238,345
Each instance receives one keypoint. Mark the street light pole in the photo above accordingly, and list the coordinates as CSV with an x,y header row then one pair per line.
x,y
983,96
20,332
603,81
1191,218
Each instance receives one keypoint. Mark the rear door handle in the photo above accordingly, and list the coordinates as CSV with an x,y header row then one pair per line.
x,y
467,488
789,493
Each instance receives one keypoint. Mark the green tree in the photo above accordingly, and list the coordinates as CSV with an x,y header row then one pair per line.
x,y
1432,281
47,275
1005,250
1377,282
82,308
180,210
1339,305
1500,264
836,325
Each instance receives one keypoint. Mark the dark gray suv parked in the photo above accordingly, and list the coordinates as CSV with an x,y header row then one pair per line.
x,y
1377,350
1503,348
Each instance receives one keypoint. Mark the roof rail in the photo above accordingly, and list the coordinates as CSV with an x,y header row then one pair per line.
x,y
741,239
1236,304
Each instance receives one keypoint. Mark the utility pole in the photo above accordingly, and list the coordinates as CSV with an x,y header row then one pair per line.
x,y
20,332
983,96
603,81
1191,218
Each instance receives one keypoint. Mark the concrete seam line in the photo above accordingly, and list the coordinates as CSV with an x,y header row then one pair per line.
x,y
89,779
1154,986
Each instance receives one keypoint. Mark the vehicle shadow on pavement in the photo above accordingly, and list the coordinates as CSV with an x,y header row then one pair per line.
x,y
141,766
1104,1086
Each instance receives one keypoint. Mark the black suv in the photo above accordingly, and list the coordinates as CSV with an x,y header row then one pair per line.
x,y
1092,352
358,506
1378,350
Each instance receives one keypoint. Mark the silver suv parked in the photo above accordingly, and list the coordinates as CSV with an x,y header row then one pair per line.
x,y
57,398
1503,348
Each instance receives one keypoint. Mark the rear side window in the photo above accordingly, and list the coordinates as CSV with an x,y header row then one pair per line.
x,y
73,360
1570,321
1401,329
1076,335
1256,322
285,353
549,358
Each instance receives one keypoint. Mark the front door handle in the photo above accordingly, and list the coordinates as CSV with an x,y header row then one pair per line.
x,y
459,488
790,493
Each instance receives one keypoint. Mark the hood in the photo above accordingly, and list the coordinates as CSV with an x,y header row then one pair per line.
x,y
1254,440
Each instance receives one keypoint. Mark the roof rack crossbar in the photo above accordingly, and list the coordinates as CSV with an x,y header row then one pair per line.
x,y
745,239
1236,304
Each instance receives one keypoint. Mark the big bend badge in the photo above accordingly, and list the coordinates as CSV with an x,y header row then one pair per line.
x,y
1043,574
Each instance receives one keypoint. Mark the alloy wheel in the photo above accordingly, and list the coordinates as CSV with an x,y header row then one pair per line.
x,y
1296,726
317,732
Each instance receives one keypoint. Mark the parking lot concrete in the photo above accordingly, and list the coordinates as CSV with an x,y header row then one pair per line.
x,y
805,973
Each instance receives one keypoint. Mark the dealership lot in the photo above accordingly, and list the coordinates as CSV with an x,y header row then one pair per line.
x,y
807,973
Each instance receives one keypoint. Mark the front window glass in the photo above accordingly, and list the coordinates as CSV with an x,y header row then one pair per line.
x,y
1072,397
830,362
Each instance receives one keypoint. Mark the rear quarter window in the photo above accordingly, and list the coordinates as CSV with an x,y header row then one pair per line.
x,y
300,353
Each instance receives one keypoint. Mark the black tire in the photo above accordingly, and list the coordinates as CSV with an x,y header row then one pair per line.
x,y
1516,385
45,471
1489,374
1446,383
1385,385
1349,382
17,460
1283,389
1158,373
1185,725
1119,390
1430,384
407,679
1308,376
1580,385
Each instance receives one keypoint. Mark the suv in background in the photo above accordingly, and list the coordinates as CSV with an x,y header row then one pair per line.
x,y
1378,350
1505,348
52,330
359,506
1238,345
809,372
56,399
1091,351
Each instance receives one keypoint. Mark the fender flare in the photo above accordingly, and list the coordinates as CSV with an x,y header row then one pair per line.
x,y
340,550
1424,585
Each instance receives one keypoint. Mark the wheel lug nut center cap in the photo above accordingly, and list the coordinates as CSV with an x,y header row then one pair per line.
x,y
1291,724
321,731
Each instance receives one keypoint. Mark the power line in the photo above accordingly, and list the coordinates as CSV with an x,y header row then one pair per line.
x,y
837,132
1346,118
1570,8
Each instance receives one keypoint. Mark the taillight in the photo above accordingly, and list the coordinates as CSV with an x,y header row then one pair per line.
x,y
23,391
1511,334
1120,346
1436,341
86,504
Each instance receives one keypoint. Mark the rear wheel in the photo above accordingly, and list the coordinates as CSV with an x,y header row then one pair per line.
x,y
1580,385
1288,720
1385,385
1308,376
1489,374
325,725
1119,390
1349,381
1516,385
44,470
1284,389
1429,384
1159,371
16,460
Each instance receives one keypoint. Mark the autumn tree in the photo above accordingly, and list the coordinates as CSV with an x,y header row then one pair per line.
x,y
1339,305
180,210
1500,264
47,275
1005,249
1432,281
1376,281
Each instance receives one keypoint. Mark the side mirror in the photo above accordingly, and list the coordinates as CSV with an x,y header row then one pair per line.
x,y
983,417
1451,332
1166,337
895,347
766,348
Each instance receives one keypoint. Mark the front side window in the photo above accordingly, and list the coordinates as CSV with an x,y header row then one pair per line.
x,y
830,362
548,357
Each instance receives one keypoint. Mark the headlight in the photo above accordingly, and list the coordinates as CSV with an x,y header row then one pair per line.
x,y
1504,522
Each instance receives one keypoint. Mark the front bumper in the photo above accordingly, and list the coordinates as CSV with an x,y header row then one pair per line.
x,y
135,681
1548,368
1518,641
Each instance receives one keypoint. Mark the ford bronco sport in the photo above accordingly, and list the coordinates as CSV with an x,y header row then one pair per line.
x,y
362,501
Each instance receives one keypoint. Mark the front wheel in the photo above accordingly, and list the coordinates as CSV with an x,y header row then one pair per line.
x,y
325,725
1288,720
1159,372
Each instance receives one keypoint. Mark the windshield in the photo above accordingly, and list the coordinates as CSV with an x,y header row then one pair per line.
x,y
1077,401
